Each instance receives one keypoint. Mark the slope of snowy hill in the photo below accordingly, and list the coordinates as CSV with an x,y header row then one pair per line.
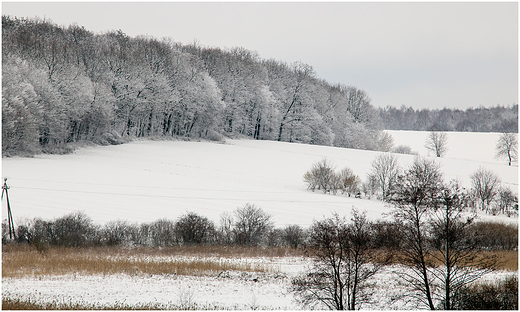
x,y
144,181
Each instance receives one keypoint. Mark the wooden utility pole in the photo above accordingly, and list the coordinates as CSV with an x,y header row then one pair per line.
x,y
10,222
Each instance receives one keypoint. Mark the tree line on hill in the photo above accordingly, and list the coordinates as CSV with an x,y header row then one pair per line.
x,y
493,119
66,84
62,85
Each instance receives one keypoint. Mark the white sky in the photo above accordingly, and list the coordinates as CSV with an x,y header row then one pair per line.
x,y
433,55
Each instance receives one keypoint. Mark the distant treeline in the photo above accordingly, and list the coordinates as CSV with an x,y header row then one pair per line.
x,y
493,119
66,84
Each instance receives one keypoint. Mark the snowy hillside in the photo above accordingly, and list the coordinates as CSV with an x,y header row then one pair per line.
x,y
147,180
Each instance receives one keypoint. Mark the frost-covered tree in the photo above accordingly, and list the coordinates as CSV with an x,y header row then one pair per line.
x,y
437,143
507,147
358,104
299,97
21,111
483,119
100,87
507,202
370,186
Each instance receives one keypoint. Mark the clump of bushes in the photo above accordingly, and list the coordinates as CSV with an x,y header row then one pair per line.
x,y
322,176
404,149
494,235
502,295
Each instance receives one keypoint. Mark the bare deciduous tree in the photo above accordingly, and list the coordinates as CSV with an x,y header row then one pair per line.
x,y
454,249
507,201
507,146
486,186
162,233
294,235
385,169
342,265
118,233
75,229
321,176
193,229
348,181
416,193
437,142
251,226
225,231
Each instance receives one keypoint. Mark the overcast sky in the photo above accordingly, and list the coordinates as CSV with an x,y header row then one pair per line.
x,y
432,55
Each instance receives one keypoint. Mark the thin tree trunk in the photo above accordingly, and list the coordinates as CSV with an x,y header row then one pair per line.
x,y
423,261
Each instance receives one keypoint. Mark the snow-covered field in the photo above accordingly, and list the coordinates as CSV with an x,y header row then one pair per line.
x,y
147,180
144,181
227,290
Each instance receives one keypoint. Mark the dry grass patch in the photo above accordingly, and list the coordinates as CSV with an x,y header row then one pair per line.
x,y
506,260
19,261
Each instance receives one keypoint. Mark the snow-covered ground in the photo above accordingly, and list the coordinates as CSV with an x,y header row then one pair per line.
x,y
144,181
227,290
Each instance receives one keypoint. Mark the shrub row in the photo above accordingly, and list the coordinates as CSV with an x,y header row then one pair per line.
x,y
248,226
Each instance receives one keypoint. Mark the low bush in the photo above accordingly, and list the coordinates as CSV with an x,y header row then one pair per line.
x,y
322,176
117,233
404,149
501,295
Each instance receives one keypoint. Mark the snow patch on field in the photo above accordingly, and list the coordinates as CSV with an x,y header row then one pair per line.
x,y
226,290
240,292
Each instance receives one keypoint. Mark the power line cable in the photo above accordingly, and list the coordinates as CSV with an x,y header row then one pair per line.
x,y
175,196
151,187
